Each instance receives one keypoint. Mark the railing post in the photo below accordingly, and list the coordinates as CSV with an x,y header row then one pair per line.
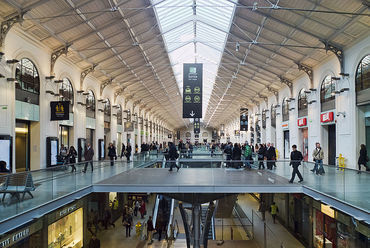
x,y
264,235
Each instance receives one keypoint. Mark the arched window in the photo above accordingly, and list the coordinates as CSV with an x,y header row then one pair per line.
x,y
107,110
363,81
327,94
28,82
285,109
90,104
119,115
273,116
302,103
66,90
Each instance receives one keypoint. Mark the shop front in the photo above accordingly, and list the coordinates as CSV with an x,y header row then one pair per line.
x,y
27,236
303,137
329,136
65,227
285,127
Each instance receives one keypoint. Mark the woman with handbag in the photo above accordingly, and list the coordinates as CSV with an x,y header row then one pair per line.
x,y
363,159
127,222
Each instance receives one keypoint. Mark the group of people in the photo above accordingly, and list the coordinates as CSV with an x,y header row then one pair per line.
x,y
68,156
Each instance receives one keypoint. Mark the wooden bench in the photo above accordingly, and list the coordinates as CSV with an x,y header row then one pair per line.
x,y
16,184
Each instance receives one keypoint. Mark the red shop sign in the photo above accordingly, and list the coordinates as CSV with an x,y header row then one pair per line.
x,y
327,117
302,122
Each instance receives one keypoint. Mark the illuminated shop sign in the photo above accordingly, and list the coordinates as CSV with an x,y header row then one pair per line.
x,y
327,117
302,122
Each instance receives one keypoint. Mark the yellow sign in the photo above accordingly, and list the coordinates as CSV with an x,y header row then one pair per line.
x,y
326,209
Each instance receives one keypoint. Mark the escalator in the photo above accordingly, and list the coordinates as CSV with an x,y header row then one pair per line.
x,y
211,234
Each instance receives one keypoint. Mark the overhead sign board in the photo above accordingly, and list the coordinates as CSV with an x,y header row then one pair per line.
x,y
196,125
192,91
327,117
59,111
243,119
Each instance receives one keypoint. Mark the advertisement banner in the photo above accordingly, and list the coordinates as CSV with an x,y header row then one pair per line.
x,y
128,127
59,111
243,119
196,125
192,90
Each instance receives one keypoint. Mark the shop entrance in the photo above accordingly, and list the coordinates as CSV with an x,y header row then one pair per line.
x,y
64,132
90,137
22,145
303,140
286,144
331,144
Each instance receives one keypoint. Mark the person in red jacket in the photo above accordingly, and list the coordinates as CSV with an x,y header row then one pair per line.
x,y
142,209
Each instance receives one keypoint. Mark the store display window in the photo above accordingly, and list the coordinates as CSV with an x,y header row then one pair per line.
x,y
325,231
67,232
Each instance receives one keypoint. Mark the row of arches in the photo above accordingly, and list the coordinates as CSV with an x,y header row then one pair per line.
x,y
327,93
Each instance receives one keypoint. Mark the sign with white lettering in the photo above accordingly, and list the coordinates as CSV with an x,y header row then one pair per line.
x,y
243,119
192,90
196,125
12,238
327,117
302,122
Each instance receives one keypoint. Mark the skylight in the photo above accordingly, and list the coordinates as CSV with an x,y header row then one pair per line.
x,y
195,35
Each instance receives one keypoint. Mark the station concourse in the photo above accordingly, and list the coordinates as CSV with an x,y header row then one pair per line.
x,y
192,123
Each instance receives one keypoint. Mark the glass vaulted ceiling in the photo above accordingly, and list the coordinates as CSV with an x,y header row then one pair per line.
x,y
195,31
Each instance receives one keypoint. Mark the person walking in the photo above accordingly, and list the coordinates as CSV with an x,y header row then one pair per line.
x,y
274,210
72,154
63,153
128,152
94,242
89,154
236,156
318,156
127,222
107,218
270,156
363,158
261,156
262,209
173,155
112,153
136,208
3,168
123,150
295,161
247,155
150,229
142,209
228,151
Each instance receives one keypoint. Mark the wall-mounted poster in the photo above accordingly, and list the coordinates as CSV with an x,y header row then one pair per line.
x,y
6,150
243,119
52,151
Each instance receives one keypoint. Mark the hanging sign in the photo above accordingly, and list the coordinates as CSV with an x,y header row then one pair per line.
x,y
302,122
128,126
196,125
192,91
327,117
243,119
59,111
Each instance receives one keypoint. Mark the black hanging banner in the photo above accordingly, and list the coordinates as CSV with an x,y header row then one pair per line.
x,y
243,119
196,125
59,111
192,91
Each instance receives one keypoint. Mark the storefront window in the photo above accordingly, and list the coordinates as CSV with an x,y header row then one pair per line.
x,y
363,74
302,103
285,109
90,104
67,232
107,110
27,76
273,116
119,115
325,231
66,90
327,91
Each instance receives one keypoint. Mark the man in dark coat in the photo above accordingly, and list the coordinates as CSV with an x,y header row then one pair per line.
x,y
94,242
270,156
128,152
112,153
173,155
295,161
236,156
89,155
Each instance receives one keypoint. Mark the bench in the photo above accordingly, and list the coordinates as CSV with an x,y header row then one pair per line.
x,y
16,184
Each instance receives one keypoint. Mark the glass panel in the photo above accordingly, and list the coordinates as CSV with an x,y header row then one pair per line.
x,y
363,74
